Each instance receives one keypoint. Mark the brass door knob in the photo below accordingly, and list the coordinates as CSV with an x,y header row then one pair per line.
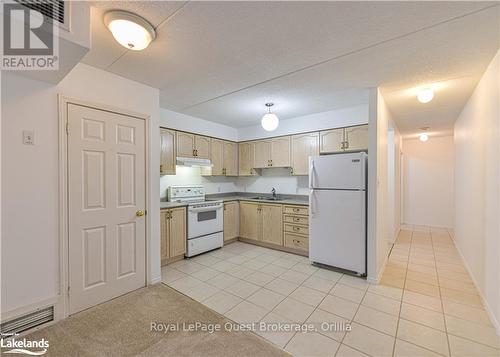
x,y
140,213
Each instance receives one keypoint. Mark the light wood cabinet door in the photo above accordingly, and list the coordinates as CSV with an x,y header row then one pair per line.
x,y
280,152
246,160
262,153
272,227
167,153
217,157
250,221
164,235
230,158
231,220
331,140
356,137
177,231
185,144
202,147
303,146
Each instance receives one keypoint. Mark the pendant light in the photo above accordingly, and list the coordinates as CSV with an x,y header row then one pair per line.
x,y
269,121
129,30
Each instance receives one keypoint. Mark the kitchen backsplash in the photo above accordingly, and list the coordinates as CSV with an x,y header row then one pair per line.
x,y
279,178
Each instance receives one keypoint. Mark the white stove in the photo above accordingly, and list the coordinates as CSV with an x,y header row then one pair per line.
x,y
205,219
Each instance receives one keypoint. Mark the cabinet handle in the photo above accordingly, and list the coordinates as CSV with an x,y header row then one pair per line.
x,y
296,220
346,145
296,210
161,168
296,229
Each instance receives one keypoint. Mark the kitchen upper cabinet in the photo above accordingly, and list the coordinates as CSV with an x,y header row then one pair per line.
x,y
217,157
272,227
303,146
250,221
356,138
246,158
231,220
173,233
202,147
190,145
280,152
185,144
331,140
230,158
262,153
167,153
352,138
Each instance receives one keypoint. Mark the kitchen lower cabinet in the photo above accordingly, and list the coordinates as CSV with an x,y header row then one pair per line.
x,y
261,222
173,233
167,153
296,227
303,146
231,220
250,220
272,231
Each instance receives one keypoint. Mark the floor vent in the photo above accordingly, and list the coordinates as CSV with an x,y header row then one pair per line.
x,y
27,321
53,9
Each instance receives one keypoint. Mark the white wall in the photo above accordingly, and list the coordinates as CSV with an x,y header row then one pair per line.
x,y
378,208
30,241
477,194
319,121
428,181
173,120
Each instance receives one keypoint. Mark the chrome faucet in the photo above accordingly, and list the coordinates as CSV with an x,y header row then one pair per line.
x,y
273,191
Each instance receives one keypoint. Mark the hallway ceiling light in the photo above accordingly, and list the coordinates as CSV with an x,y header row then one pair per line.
x,y
270,120
129,30
425,95
424,137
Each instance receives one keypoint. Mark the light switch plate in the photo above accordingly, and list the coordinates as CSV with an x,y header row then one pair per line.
x,y
28,137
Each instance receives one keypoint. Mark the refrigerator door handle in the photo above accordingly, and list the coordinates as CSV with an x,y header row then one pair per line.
x,y
311,173
311,204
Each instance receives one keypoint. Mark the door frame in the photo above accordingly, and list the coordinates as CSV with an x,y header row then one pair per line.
x,y
62,308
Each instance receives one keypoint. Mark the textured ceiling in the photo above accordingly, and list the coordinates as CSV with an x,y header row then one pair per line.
x,y
222,61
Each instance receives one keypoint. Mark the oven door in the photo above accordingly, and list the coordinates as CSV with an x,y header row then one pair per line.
x,y
205,220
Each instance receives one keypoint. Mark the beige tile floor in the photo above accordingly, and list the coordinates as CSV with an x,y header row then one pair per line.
x,y
425,305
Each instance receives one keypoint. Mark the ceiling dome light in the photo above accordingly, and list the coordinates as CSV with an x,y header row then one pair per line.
x,y
129,30
270,120
424,137
425,95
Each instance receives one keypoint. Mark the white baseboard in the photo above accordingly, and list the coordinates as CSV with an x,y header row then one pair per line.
x,y
376,280
155,280
20,311
487,307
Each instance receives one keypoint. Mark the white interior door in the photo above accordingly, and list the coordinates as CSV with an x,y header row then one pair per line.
x,y
106,186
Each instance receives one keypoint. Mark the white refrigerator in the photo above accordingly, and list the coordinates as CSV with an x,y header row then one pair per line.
x,y
337,211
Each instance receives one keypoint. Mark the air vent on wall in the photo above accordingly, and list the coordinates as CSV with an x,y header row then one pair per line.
x,y
27,321
53,9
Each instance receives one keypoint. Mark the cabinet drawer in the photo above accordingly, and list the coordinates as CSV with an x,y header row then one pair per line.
x,y
296,229
296,242
296,220
301,210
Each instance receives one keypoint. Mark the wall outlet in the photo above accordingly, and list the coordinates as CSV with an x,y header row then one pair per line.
x,y
28,137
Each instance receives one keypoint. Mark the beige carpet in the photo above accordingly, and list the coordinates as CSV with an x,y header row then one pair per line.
x,y
122,327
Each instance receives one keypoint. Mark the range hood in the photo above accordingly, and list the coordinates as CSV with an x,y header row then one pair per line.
x,y
194,162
